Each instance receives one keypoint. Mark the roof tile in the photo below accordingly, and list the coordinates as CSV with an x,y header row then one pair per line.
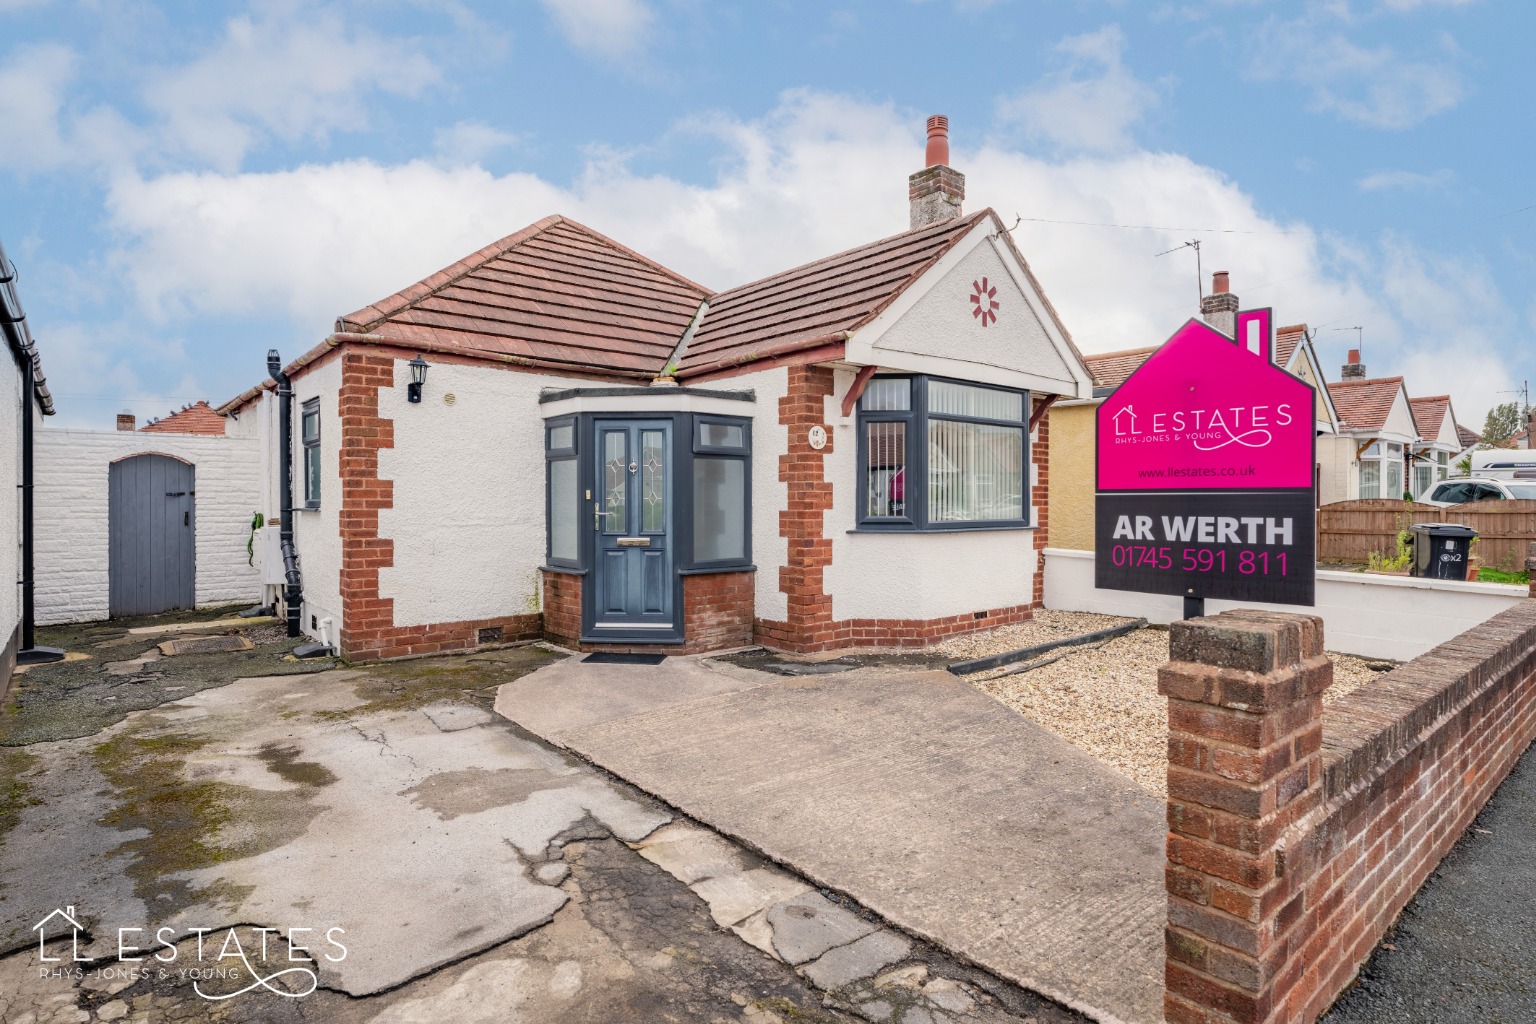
x,y
1364,404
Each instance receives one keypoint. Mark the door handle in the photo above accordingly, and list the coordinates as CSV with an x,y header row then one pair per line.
x,y
598,515
186,519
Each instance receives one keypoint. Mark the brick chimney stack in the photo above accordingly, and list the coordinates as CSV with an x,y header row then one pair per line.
x,y
937,191
125,420
1354,369
1219,309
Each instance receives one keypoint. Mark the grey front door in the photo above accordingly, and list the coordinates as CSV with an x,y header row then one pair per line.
x,y
151,529
633,592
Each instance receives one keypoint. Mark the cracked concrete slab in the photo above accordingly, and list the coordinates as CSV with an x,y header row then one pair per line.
x,y
862,958
808,925
734,898
939,809
361,823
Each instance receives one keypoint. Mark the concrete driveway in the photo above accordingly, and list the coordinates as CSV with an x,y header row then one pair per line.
x,y
375,844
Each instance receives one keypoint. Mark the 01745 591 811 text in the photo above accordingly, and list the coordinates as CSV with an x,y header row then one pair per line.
x,y
1199,560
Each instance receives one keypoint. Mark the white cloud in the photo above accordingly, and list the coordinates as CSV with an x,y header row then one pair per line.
x,y
470,142
1090,103
290,78
820,174
607,28
1405,181
1375,86
32,86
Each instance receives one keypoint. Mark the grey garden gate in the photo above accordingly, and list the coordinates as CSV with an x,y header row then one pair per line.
x,y
152,524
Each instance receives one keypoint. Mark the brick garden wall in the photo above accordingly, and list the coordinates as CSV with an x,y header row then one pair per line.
x,y
1297,835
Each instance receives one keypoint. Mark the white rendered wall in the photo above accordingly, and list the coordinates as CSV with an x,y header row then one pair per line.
x,y
316,532
468,515
914,575
71,504
1372,616
1339,473
770,495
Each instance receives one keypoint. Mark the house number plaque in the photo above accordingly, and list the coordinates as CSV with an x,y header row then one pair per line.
x,y
817,438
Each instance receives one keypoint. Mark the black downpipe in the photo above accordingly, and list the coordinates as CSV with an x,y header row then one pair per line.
x,y
293,595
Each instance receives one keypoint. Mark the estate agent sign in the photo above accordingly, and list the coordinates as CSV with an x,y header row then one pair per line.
x,y
1205,459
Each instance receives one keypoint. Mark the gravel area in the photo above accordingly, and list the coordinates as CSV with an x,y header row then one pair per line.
x,y
1042,629
1103,698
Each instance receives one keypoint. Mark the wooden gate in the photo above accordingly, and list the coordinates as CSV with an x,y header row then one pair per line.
x,y
1348,531
152,526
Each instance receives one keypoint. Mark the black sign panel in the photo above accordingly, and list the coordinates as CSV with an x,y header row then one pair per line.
x,y
1239,545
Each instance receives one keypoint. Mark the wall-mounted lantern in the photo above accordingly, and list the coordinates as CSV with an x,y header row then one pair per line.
x,y
418,378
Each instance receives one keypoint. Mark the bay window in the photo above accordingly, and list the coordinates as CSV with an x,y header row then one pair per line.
x,y
937,454
562,492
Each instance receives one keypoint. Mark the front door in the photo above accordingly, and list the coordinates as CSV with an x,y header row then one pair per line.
x,y
634,592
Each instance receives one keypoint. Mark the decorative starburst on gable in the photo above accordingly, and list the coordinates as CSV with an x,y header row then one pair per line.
x,y
984,302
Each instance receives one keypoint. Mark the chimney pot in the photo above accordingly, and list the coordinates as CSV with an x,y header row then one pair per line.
x,y
125,420
938,142
1219,283
1219,309
1354,369
937,192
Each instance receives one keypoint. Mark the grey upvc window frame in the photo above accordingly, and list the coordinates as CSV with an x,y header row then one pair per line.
x,y
914,518
697,449
564,453
310,446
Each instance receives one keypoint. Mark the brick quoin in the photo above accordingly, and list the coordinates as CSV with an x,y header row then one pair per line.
x,y
1040,456
1295,836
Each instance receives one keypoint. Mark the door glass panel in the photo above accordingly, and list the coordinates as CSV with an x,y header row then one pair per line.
x,y
885,484
562,509
653,481
719,509
615,482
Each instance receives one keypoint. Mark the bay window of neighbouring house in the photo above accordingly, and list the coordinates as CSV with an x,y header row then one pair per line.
x,y
937,454
1423,473
1381,471
309,436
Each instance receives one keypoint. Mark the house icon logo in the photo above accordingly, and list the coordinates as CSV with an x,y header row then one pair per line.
x,y
1125,422
48,924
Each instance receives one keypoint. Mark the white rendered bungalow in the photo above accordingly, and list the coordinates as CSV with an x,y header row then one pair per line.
x,y
1440,441
1377,432
557,437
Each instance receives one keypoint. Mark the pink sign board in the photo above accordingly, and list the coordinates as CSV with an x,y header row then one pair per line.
x,y
1207,412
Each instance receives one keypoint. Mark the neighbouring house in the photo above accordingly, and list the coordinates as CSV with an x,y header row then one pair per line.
x,y
134,522
1377,432
559,437
24,393
1439,443
1072,422
197,418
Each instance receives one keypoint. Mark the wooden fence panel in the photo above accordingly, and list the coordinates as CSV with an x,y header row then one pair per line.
x,y
1348,531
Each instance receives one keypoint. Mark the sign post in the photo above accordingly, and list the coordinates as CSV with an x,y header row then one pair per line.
x,y
1205,473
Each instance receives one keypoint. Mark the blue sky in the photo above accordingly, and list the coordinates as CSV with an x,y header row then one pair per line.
x,y
184,185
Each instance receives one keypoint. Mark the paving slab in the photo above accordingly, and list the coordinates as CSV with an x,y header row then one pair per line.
x,y
946,813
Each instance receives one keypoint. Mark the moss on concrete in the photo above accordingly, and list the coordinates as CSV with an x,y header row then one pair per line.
x,y
15,792
418,682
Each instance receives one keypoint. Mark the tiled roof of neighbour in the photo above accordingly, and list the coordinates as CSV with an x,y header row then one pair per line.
x,y
1364,404
820,299
1111,369
555,294
1286,340
1429,413
1469,437
197,418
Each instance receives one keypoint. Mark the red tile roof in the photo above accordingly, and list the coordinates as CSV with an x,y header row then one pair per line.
x,y
1429,414
1469,437
1364,404
1286,340
197,418
556,294
1111,369
817,300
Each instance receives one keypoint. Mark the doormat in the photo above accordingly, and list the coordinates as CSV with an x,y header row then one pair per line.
x,y
611,658
204,645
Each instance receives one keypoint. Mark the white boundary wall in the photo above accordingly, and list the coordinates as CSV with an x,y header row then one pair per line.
x,y
70,480
1373,616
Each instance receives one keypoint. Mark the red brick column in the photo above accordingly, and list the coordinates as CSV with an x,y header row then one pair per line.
x,y
1040,456
1244,695
1530,570
367,619
808,622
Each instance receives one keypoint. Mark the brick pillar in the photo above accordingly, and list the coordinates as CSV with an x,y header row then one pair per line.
x,y
808,625
367,619
1040,455
1244,695
1530,570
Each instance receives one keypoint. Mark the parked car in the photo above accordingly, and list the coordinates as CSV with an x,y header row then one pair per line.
x,y
1458,492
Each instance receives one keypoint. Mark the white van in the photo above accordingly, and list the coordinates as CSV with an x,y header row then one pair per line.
x,y
1504,463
